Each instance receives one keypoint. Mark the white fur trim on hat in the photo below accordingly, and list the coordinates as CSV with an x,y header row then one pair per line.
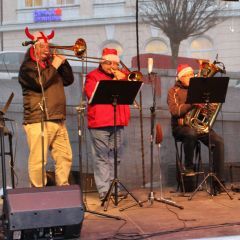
x,y
184,71
111,57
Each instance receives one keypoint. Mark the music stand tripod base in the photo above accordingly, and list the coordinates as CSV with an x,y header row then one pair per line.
x,y
115,92
212,175
108,196
208,90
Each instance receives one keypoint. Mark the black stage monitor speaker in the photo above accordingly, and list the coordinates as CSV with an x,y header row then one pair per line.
x,y
30,208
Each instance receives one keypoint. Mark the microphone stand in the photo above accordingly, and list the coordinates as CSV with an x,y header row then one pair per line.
x,y
44,113
80,114
151,196
162,199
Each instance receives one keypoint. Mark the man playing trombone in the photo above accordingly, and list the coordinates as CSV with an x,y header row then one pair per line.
x,y
101,122
42,80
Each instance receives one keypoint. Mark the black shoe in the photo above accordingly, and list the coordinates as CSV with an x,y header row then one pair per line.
x,y
120,195
102,195
217,188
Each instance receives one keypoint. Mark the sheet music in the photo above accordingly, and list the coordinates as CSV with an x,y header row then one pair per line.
x,y
107,90
93,93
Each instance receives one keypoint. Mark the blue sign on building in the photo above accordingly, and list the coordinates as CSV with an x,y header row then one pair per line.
x,y
48,15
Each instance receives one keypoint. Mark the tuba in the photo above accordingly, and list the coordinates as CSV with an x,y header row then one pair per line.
x,y
202,118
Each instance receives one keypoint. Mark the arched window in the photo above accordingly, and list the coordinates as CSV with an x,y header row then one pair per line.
x,y
156,46
202,47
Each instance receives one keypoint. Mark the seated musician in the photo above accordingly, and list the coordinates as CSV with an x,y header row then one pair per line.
x,y
178,108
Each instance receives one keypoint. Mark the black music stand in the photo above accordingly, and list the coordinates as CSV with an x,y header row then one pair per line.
x,y
208,90
115,92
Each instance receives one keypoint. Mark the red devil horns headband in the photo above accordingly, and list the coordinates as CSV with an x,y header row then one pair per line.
x,y
46,38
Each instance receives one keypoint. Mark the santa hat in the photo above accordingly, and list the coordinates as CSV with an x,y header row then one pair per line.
x,y
110,54
183,69
39,36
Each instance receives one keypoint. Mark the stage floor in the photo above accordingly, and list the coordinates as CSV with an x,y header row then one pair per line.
x,y
203,217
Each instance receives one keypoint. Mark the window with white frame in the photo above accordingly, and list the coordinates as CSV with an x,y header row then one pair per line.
x,y
33,3
202,47
108,1
65,2
52,3
109,8
156,46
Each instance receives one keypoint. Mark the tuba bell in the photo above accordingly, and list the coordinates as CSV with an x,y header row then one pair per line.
x,y
201,119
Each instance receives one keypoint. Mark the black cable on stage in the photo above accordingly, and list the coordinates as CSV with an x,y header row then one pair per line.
x,y
140,236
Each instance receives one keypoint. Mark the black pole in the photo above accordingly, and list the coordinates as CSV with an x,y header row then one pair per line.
x,y
115,183
80,115
42,142
3,158
115,150
152,110
44,112
140,102
1,7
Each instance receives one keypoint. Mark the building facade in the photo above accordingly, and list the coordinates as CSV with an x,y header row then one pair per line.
x,y
112,23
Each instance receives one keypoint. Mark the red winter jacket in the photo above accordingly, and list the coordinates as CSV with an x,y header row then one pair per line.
x,y
102,115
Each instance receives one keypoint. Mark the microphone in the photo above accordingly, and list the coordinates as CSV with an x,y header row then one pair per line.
x,y
159,134
26,43
216,60
150,65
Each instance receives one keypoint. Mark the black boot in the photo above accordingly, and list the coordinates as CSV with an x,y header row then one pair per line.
x,y
217,188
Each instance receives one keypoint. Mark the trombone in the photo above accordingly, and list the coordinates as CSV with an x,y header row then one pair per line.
x,y
80,49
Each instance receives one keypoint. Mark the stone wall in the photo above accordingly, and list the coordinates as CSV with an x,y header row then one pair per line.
x,y
132,167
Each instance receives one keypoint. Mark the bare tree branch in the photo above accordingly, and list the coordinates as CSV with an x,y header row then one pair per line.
x,y
181,19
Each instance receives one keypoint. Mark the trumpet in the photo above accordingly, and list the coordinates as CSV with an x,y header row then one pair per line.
x,y
132,75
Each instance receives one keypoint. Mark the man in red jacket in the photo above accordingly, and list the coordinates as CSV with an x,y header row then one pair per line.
x,y
101,122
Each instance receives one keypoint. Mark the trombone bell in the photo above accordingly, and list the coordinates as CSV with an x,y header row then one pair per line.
x,y
79,48
135,76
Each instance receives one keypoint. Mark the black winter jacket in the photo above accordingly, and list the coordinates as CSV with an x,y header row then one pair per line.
x,y
53,81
